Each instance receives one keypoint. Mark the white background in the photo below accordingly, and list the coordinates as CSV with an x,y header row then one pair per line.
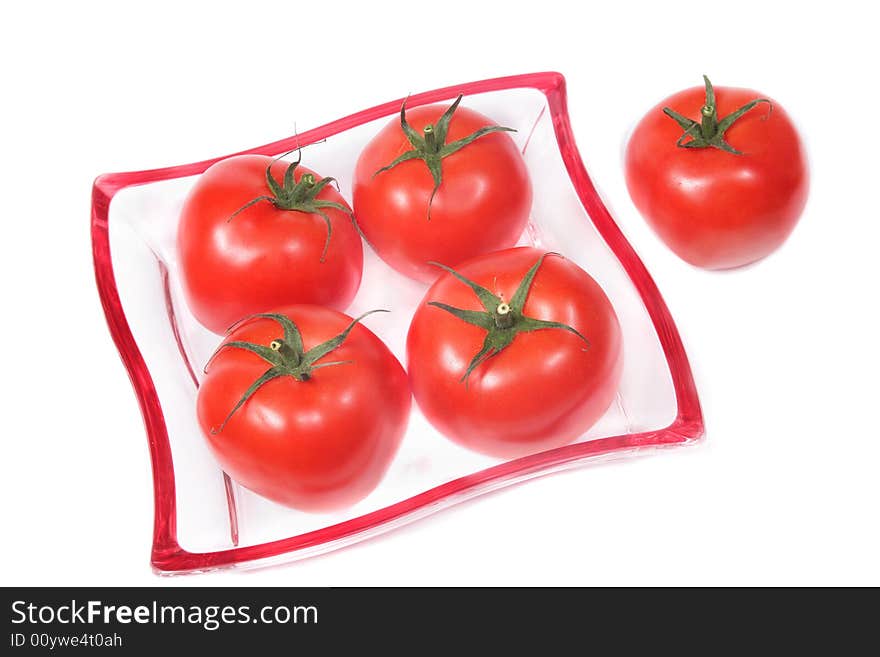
x,y
785,489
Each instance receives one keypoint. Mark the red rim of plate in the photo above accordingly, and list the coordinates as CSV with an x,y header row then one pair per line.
x,y
167,554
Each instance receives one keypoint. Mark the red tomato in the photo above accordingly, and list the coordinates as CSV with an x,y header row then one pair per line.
x,y
537,384
715,208
482,202
324,422
264,256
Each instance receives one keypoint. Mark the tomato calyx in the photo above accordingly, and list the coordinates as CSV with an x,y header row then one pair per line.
x,y
709,131
286,355
431,146
502,320
299,196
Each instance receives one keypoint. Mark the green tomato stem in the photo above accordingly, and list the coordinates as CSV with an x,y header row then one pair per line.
x,y
503,316
709,121
430,138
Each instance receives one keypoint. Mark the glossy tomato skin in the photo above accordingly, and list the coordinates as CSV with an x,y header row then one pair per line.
x,y
264,257
482,205
546,388
715,209
316,445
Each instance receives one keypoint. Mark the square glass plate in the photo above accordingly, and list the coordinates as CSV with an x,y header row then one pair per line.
x,y
203,520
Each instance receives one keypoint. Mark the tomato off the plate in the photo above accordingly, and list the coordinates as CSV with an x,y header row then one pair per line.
x,y
720,174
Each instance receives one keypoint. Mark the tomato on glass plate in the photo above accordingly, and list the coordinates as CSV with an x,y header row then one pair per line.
x,y
257,233
514,352
443,183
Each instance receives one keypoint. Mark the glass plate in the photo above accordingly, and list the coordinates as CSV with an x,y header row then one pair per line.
x,y
203,520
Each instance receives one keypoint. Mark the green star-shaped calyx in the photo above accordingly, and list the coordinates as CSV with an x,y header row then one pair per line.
x,y
709,131
286,355
502,320
299,196
431,146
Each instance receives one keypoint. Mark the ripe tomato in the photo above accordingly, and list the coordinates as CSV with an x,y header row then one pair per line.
x,y
423,194
239,257
517,352
729,192
305,407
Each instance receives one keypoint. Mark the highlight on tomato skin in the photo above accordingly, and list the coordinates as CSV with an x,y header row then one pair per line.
x,y
428,195
257,233
304,406
509,392
719,173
